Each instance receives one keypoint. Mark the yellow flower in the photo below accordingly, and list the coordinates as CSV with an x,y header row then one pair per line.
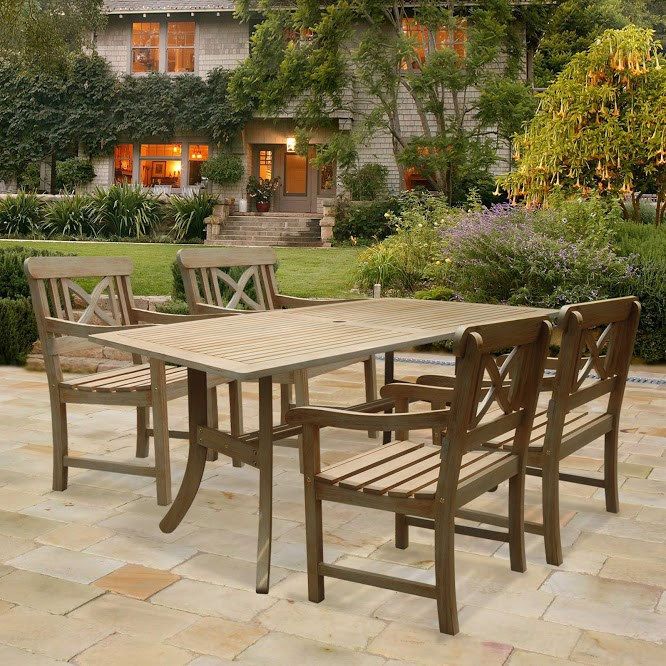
x,y
447,260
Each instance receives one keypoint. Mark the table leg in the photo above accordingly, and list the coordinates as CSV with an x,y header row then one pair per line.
x,y
197,407
265,483
389,369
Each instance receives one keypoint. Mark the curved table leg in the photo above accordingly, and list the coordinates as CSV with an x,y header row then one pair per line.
x,y
197,404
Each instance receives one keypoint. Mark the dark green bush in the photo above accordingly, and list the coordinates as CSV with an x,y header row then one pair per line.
x,y
125,210
366,183
71,216
19,330
187,214
364,222
435,294
73,172
223,169
20,213
173,307
13,282
30,179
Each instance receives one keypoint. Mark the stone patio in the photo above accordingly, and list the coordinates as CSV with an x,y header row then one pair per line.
x,y
87,577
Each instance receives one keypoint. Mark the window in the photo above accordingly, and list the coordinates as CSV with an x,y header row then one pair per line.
x,y
326,183
145,47
123,163
180,46
424,40
266,164
160,164
198,155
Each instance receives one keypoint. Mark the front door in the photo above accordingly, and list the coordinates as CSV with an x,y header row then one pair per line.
x,y
300,180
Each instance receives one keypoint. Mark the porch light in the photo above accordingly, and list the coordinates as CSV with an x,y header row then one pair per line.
x,y
291,144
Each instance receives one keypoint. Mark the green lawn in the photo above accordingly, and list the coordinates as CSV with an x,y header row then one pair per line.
x,y
315,272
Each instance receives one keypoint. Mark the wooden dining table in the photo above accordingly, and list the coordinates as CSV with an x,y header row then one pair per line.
x,y
263,345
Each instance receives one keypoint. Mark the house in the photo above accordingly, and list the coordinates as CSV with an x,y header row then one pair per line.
x,y
196,36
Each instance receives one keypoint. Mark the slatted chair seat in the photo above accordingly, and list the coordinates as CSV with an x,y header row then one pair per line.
x,y
573,422
409,469
135,378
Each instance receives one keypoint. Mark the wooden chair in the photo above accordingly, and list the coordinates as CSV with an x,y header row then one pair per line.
x,y
427,481
55,296
211,289
597,336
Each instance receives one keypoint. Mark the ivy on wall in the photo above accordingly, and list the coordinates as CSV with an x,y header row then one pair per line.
x,y
86,107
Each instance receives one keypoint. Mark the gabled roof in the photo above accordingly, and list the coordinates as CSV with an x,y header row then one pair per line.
x,y
140,6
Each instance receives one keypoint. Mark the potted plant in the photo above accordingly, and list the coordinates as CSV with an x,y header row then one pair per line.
x,y
261,190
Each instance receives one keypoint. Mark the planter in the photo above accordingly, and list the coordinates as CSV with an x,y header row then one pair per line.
x,y
263,206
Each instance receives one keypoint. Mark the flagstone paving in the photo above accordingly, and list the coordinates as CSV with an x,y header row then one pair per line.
x,y
86,576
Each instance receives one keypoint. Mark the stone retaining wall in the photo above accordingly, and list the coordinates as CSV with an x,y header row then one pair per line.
x,y
89,357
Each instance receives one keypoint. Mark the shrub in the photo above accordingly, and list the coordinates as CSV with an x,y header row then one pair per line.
x,y
73,172
70,216
435,294
20,213
173,307
19,330
223,169
30,179
13,282
188,214
498,258
366,183
648,242
364,222
125,210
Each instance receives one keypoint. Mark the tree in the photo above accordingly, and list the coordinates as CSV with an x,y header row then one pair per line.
x,y
601,126
39,34
572,26
454,66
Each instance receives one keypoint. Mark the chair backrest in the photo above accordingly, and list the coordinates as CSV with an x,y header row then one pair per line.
x,y
597,337
228,278
491,401
63,308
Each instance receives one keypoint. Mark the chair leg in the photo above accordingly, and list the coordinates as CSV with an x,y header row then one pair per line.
x,y
236,413
160,432
302,397
60,445
142,439
551,513
610,472
370,372
401,531
517,523
285,400
445,576
213,418
314,542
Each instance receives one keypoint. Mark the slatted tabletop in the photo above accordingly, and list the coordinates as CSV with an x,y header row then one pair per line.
x,y
258,344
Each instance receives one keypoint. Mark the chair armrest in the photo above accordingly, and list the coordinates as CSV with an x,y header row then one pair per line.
x,y
342,418
417,392
151,317
447,381
295,302
64,327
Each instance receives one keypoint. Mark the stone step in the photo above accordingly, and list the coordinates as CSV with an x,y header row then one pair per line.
x,y
278,229
234,242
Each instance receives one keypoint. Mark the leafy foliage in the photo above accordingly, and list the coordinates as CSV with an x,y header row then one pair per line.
x,y
223,168
20,213
600,127
125,210
73,172
324,56
13,282
19,328
72,216
364,221
366,182
188,214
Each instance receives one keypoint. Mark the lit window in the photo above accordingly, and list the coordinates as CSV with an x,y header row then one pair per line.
x,y
180,46
295,174
424,40
145,47
160,164
266,164
198,155
123,163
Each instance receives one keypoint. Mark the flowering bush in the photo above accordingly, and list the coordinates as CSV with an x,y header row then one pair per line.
x,y
499,255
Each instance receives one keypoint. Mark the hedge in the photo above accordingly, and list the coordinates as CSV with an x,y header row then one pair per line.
x,y
19,330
